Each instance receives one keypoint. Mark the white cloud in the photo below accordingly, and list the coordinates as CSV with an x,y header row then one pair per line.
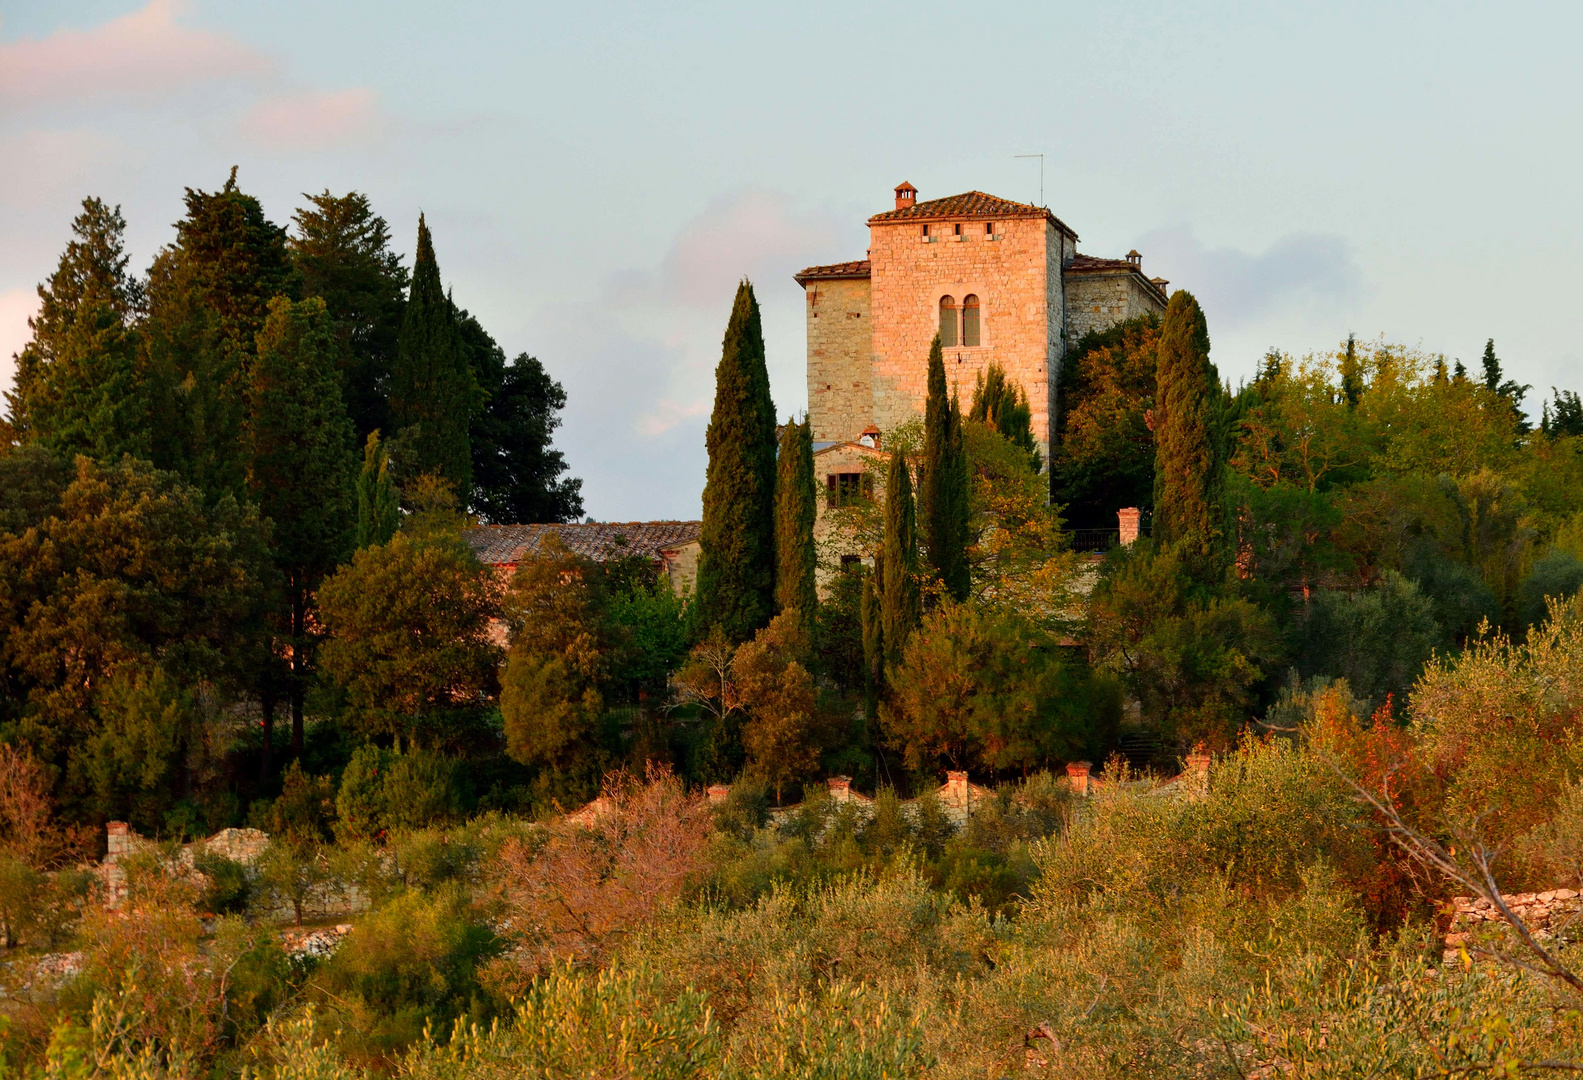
x,y
1300,274
311,121
146,53
638,363
16,308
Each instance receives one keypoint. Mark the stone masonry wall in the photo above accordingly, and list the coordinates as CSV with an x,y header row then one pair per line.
x,y
840,354
1096,301
1021,311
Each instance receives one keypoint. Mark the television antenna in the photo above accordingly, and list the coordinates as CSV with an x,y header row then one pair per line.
x,y
1041,173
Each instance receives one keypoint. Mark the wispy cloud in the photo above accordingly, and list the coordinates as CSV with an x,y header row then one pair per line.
x,y
1299,273
146,53
312,121
638,363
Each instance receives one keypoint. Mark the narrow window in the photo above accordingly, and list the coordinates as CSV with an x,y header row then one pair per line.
x,y
989,228
948,322
832,494
926,230
958,228
970,320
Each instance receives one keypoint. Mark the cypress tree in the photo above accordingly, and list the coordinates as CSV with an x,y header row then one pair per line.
x,y
378,502
300,466
900,603
1351,374
433,394
870,612
1184,459
1003,405
942,483
794,517
736,570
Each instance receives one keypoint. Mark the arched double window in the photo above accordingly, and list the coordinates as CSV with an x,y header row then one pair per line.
x,y
948,322
970,320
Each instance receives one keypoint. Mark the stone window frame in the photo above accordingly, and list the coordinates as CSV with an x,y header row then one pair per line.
x,y
950,330
957,291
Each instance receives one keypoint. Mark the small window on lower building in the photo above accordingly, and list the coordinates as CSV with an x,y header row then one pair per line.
x,y
846,489
989,228
850,563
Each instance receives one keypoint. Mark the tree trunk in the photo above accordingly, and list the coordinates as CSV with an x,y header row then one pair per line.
x,y
299,612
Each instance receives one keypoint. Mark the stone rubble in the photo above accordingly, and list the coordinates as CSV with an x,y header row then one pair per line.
x,y
1544,913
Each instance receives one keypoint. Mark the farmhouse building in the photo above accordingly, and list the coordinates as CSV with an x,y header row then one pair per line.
x,y
1001,282
672,546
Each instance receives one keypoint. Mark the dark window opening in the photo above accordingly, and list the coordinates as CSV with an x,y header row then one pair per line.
x,y
970,320
926,230
850,563
989,228
847,489
958,228
948,322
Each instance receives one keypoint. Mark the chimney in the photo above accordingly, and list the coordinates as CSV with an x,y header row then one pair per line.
x,y
718,793
1196,778
955,793
840,788
1127,523
906,195
1077,777
870,437
1135,259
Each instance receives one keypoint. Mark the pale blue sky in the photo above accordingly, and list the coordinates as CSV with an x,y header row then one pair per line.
x,y
598,176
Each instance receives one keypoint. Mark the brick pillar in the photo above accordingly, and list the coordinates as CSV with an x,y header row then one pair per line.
x,y
1196,778
718,792
956,789
1127,522
118,839
1077,777
840,788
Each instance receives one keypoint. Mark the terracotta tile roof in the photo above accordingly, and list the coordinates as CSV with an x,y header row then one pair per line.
x,y
858,269
1088,264
969,204
503,545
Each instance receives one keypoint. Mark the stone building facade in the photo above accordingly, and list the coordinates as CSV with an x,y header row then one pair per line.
x,y
1000,281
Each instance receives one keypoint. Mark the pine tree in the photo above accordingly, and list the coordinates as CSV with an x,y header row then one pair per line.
x,y
433,395
900,601
1492,368
300,468
517,472
1351,374
1185,464
342,250
378,501
942,483
794,517
1510,389
81,384
736,573
208,297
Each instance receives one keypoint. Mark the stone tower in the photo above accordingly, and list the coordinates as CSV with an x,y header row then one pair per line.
x,y
1000,281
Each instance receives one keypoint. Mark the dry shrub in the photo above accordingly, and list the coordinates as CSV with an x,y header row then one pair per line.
x,y
585,881
28,830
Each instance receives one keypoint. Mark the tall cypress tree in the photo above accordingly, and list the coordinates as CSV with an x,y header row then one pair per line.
x,y
871,613
300,468
900,601
1003,405
1351,374
736,571
1185,462
378,502
942,483
433,395
794,517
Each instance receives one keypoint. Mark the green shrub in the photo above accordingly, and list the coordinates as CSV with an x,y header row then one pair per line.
x,y
385,789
